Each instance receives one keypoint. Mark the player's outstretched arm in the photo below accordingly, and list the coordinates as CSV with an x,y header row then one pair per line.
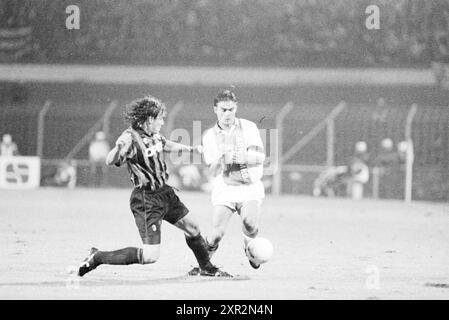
x,y
171,146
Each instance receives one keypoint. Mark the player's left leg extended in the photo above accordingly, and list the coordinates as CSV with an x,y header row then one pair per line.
x,y
125,256
250,213
148,212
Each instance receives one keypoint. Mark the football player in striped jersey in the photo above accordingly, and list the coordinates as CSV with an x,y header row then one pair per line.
x,y
141,148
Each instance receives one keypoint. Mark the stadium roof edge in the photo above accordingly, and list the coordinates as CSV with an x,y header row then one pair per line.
x,y
207,76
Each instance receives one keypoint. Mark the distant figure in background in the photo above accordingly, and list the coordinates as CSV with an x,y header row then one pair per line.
x,y
387,156
8,148
190,177
206,180
345,180
361,151
440,61
63,174
387,166
358,171
402,151
98,151
331,182
295,179
66,175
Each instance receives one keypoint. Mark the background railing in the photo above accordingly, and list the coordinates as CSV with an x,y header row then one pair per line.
x,y
308,139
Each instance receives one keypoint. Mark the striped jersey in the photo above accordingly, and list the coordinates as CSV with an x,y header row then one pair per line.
x,y
144,158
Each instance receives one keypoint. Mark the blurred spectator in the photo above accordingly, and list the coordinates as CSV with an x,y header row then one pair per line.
x,y
387,167
361,151
207,181
380,112
292,32
66,175
358,171
440,63
346,180
190,177
8,148
331,182
387,156
98,151
295,178
59,174
402,151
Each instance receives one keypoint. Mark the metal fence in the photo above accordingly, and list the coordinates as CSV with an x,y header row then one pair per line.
x,y
311,137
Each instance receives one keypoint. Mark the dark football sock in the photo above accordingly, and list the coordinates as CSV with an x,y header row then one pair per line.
x,y
128,255
199,248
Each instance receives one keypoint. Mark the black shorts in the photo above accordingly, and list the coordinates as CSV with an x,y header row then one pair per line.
x,y
151,207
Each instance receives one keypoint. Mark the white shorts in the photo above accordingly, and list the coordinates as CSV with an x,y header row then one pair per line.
x,y
234,196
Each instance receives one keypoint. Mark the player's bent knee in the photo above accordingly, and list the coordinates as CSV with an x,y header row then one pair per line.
x,y
192,230
150,253
250,227
189,226
218,234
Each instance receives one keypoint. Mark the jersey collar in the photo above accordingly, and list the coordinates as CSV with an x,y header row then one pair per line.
x,y
219,129
143,132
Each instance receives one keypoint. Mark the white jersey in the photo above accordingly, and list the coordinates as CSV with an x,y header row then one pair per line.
x,y
234,183
244,135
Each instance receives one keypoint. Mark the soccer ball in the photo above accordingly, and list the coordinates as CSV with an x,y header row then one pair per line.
x,y
259,250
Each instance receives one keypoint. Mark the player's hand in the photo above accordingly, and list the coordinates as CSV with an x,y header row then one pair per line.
x,y
124,141
228,157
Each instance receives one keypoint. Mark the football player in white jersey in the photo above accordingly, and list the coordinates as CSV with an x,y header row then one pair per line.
x,y
234,152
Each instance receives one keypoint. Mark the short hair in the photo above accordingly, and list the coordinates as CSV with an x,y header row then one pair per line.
x,y
225,95
138,111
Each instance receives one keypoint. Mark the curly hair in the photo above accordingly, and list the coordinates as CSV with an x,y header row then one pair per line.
x,y
225,95
138,111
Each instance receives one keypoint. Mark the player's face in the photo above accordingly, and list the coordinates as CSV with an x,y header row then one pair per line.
x,y
225,111
154,125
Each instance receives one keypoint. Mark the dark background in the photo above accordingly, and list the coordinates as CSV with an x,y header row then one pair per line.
x,y
256,33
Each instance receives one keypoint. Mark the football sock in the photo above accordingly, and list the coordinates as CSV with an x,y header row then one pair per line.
x,y
199,248
128,255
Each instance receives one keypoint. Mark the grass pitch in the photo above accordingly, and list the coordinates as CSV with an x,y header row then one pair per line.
x,y
324,249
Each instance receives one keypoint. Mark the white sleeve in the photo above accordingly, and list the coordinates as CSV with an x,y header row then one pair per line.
x,y
253,137
210,148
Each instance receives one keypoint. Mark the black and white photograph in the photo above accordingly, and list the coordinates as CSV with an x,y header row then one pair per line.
x,y
229,150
